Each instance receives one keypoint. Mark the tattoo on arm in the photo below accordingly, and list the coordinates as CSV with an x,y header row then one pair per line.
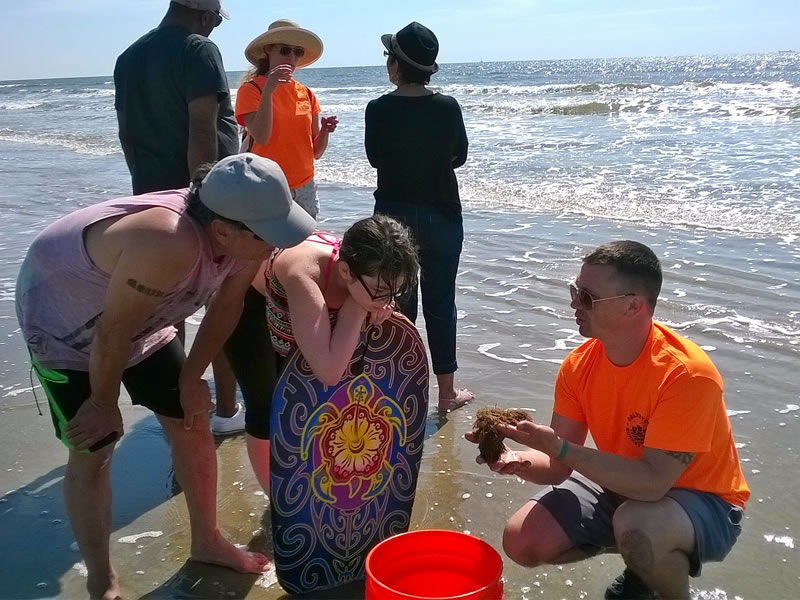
x,y
685,457
143,289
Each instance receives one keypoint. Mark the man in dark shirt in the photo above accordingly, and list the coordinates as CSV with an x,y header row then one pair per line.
x,y
174,112
172,99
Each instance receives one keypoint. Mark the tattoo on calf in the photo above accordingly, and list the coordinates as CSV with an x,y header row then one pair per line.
x,y
685,457
143,289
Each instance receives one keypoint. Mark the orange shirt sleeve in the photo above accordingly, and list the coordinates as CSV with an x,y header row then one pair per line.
x,y
315,109
247,99
566,399
686,414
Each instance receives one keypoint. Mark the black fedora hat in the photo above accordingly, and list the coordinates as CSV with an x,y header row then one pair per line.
x,y
414,44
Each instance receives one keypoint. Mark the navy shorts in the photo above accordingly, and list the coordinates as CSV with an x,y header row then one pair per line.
x,y
152,383
584,510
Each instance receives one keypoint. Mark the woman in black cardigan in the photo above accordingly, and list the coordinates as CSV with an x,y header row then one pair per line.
x,y
415,138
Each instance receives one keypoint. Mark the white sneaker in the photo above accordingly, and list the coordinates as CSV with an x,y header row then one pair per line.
x,y
228,425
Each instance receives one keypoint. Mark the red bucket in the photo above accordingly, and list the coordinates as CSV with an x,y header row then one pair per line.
x,y
434,564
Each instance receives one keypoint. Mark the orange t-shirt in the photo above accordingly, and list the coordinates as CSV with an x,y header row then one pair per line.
x,y
669,398
291,144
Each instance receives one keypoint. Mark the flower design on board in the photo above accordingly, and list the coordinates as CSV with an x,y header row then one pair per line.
x,y
351,447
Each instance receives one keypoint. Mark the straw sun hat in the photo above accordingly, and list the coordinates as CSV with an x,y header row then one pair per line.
x,y
289,33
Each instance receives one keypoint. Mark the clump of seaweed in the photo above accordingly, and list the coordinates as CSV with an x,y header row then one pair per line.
x,y
490,441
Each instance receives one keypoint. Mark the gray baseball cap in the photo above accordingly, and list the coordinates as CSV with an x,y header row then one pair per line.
x,y
215,5
253,190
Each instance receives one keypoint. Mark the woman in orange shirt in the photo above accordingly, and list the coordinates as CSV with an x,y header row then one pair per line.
x,y
280,114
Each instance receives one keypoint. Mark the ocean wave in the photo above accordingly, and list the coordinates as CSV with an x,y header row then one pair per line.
x,y
737,109
543,89
20,105
83,144
591,198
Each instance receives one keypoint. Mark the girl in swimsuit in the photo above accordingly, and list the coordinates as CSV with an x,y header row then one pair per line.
x,y
317,296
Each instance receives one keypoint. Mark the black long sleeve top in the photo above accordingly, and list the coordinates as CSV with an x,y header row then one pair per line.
x,y
415,143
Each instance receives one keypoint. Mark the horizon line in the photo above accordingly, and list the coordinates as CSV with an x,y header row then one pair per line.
x,y
533,60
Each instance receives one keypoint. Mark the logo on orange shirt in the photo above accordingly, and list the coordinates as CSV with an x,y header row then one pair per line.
x,y
636,428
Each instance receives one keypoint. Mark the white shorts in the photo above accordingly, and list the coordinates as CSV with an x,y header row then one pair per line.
x,y
306,196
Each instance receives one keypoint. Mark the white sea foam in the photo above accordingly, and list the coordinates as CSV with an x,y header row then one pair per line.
x,y
268,578
19,105
83,144
484,349
132,539
780,539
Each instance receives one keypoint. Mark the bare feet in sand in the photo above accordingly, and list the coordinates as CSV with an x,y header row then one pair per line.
x,y
219,551
105,587
463,396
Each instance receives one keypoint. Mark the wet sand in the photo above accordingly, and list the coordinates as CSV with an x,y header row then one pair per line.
x,y
735,296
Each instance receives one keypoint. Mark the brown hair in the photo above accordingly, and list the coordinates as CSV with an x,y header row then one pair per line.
x,y
635,264
382,247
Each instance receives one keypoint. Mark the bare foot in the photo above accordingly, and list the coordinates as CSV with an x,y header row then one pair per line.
x,y
463,396
105,587
219,551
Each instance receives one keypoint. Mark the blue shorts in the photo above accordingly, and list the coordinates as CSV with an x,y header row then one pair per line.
x,y
584,510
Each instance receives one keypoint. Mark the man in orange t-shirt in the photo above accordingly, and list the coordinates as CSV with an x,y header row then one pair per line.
x,y
664,486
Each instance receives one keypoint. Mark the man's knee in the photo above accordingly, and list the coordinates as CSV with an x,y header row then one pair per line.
x,y
520,549
633,525
88,466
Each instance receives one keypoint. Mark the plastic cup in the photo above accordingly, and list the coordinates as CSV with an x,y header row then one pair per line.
x,y
433,564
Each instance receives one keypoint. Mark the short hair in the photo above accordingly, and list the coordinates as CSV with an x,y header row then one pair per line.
x,y
410,73
199,212
380,246
636,264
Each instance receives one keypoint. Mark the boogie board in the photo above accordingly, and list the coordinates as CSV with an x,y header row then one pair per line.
x,y
344,459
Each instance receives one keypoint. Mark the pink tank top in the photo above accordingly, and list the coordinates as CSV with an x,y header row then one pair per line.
x,y
60,293
280,322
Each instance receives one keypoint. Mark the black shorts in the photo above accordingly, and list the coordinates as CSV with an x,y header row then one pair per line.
x,y
255,363
152,383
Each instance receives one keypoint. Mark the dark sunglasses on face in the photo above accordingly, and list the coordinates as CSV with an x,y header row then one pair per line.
x,y
288,50
586,300
218,15
391,295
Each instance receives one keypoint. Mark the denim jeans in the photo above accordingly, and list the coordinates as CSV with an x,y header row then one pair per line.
x,y
439,239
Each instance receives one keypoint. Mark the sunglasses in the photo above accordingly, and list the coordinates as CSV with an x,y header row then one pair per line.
x,y
586,300
392,295
387,53
217,14
289,50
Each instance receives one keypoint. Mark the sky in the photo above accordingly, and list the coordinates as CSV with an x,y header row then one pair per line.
x,y
81,38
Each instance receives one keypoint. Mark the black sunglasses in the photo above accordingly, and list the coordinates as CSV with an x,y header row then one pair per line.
x,y
391,295
289,50
586,300
217,14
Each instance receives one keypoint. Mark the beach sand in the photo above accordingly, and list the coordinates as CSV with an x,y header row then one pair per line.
x,y
515,327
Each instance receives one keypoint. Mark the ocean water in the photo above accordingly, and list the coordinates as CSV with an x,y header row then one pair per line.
x,y
699,157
